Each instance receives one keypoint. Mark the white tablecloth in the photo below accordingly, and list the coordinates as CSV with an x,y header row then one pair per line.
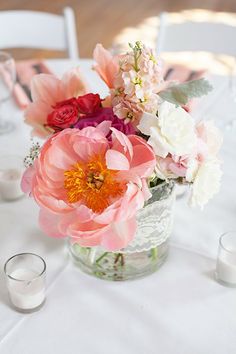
x,y
180,309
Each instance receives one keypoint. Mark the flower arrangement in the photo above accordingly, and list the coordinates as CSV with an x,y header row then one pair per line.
x,y
102,155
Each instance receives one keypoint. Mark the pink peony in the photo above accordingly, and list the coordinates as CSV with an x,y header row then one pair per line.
x,y
47,90
89,188
105,114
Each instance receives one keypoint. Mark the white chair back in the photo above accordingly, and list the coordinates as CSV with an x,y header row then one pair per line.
x,y
217,38
39,30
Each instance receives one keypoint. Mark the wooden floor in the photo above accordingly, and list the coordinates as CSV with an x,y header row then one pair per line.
x,y
103,20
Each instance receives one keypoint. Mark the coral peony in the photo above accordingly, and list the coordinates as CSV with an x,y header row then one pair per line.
x,y
89,188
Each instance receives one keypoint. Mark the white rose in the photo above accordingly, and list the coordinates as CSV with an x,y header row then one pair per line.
x,y
206,182
171,132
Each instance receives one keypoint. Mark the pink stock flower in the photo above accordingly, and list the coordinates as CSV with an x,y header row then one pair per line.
x,y
126,110
89,188
134,78
47,90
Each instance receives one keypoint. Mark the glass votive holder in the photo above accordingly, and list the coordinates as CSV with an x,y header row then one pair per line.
x,y
26,281
11,171
226,260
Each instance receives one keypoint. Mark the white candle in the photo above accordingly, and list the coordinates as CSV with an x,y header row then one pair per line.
x,y
226,270
10,184
226,261
28,291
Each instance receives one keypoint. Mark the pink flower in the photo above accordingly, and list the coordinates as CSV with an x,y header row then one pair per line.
x,y
107,65
210,136
47,90
126,110
105,114
171,166
134,79
89,188
208,143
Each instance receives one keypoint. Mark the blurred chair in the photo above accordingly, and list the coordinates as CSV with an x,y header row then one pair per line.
x,y
39,30
217,38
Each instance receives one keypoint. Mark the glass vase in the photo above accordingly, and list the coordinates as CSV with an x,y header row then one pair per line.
x,y
148,250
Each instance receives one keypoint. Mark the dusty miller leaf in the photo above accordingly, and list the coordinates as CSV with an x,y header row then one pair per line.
x,y
180,94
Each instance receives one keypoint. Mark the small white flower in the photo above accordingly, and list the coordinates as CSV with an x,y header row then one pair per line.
x,y
171,132
211,136
206,182
192,169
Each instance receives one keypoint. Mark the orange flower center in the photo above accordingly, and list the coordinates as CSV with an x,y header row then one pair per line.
x,y
93,184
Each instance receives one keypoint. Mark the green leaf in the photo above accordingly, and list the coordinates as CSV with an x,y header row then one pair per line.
x,y
180,94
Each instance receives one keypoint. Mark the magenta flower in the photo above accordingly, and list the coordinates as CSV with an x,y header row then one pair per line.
x,y
105,114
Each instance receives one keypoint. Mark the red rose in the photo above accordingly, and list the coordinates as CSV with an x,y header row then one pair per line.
x,y
64,115
89,103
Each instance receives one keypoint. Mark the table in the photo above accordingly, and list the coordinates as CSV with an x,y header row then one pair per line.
x,y
180,309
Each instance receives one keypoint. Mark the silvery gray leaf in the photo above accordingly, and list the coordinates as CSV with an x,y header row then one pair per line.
x,y
180,94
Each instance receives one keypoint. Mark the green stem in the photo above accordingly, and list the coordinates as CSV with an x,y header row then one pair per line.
x,y
135,63
101,257
154,253
122,260
119,257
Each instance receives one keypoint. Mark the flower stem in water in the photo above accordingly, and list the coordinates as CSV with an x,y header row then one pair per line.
x,y
154,253
120,257
101,257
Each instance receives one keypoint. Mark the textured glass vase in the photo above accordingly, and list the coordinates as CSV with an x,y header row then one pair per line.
x,y
148,250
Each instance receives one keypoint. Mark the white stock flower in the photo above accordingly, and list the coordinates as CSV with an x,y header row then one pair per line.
x,y
206,182
171,132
